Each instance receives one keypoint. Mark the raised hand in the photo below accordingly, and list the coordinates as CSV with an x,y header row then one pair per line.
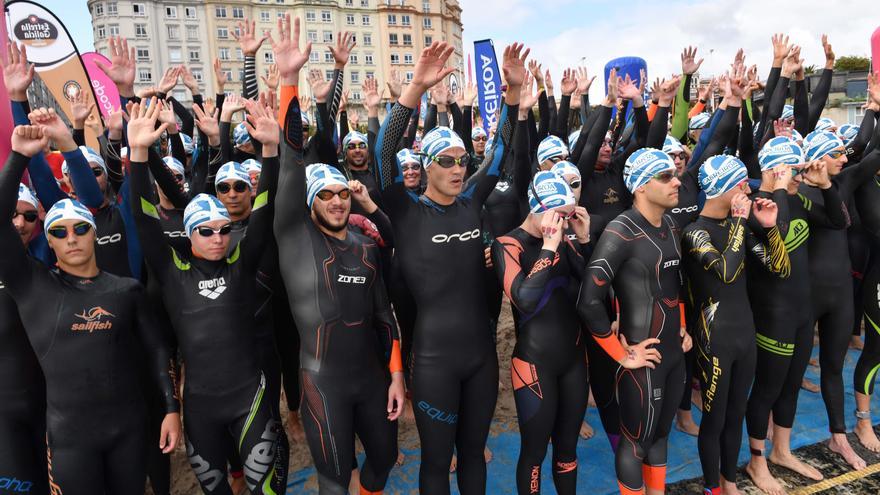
x,y
627,89
527,97
142,129
611,90
548,83
470,94
707,90
666,91
94,124
220,76
765,211
262,125
431,66
514,64
272,77
305,104
29,140
189,80
569,82
114,125
584,81
53,127
440,94
781,47
17,73
247,38
689,64
268,99
209,105
740,206
739,60
122,68
232,104
640,355
81,107
782,128
320,86
207,121
395,86
580,224
829,53
343,101
535,69
816,174
371,93
166,116
288,56
736,83
169,80
344,44
359,193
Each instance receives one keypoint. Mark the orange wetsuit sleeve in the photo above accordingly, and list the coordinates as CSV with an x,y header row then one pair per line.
x,y
699,107
396,362
287,94
652,110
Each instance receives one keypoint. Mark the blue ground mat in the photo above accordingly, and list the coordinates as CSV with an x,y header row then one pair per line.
x,y
596,468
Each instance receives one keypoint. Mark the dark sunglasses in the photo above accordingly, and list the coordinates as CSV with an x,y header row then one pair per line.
x,y
575,184
208,231
357,146
556,159
664,177
225,187
98,171
29,216
327,195
480,138
410,166
79,230
448,161
834,155
681,156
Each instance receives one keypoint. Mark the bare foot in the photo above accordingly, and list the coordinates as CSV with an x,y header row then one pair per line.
x,y
586,431
867,437
856,342
809,386
487,454
840,445
684,422
814,362
697,399
454,464
760,474
354,485
789,461
238,485
729,487
400,458
408,415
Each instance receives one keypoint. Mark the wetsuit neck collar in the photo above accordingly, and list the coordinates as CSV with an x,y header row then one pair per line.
x,y
649,212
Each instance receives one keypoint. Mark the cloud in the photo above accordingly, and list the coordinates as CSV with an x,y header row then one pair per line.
x,y
658,31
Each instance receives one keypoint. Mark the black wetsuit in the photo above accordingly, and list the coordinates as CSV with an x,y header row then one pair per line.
x,y
724,335
346,329
784,331
89,335
868,203
641,261
209,303
548,367
455,369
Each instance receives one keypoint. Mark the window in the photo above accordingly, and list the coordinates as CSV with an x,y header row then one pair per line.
x,y
240,75
407,40
328,36
140,30
310,16
365,20
407,58
269,57
312,36
368,39
114,30
222,33
173,32
265,16
392,19
328,75
368,59
197,75
404,20
426,23
236,32
349,19
426,6
370,74
175,55
239,54
349,3
192,32
279,1
142,54
99,9
325,16
238,12
392,38
356,96
429,40
194,55
355,77
180,95
112,9
171,12
313,57
139,9
229,75
101,32
328,57
224,54
220,11
353,58
365,3
190,12
280,14
145,75
409,76
395,59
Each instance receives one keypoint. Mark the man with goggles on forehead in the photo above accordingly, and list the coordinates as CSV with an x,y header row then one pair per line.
x,y
208,295
716,246
357,161
90,329
785,331
233,186
349,363
540,271
639,255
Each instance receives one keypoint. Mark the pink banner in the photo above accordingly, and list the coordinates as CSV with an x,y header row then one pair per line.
x,y
6,125
106,94
875,49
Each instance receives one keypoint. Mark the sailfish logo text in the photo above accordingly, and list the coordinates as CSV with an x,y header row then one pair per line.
x,y
94,320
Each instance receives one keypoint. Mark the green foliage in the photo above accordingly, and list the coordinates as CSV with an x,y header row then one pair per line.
x,y
852,63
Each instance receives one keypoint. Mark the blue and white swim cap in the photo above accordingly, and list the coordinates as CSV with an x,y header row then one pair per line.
x,y
643,165
721,173
548,191
820,143
320,178
68,209
778,151
233,171
437,141
202,209
551,147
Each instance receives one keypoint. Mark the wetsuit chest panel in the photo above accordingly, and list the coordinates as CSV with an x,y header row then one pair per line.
x,y
687,209
17,359
111,251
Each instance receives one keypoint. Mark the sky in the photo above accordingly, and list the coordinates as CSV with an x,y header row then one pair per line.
x,y
566,33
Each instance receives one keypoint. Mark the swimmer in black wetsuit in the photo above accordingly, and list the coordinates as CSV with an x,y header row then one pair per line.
x,y
540,271
208,299
437,238
639,254
89,329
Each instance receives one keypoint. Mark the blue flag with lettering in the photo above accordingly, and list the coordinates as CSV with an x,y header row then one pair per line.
x,y
488,82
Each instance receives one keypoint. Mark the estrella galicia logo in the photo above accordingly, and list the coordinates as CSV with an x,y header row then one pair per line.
x,y
14,485
72,89
212,289
94,319
437,414
36,31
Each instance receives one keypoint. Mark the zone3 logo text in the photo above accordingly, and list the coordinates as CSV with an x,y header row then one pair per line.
x,y
351,279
